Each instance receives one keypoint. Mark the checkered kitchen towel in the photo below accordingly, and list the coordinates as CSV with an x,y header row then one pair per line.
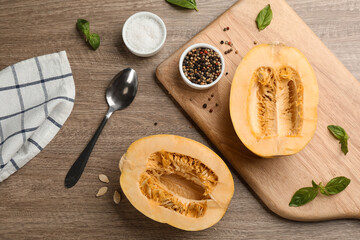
x,y
36,97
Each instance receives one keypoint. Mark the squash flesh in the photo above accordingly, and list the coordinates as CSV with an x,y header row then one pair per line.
x,y
273,100
177,181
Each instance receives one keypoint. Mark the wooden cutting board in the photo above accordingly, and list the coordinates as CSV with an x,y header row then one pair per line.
x,y
275,180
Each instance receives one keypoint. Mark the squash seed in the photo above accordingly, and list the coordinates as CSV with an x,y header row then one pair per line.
x,y
102,191
116,197
104,178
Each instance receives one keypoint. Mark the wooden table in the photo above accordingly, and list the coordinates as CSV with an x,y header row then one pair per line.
x,y
34,203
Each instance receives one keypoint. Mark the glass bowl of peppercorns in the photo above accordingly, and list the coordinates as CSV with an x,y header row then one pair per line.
x,y
201,66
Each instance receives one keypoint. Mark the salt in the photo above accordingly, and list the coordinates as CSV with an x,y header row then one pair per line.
x,y
144,34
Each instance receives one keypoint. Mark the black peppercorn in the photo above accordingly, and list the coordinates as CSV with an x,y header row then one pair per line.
x,y
202,66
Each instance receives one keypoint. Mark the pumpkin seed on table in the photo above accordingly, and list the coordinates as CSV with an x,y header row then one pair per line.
x,y
102,191
117,197
103,178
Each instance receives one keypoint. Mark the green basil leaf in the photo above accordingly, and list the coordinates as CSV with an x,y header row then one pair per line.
x,y
337,131
83,26
314,184
344,146
264,18
336,185
303,196
191,4
340,134
94,40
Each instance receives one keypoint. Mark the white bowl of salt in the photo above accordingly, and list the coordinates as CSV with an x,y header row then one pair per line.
x,y
144,34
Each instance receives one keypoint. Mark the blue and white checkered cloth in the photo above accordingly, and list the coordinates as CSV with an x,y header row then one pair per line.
x,y
36,97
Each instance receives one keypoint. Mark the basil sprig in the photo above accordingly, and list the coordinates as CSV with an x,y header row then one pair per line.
x,y
92,38
264,18
190,4
307,194
340,134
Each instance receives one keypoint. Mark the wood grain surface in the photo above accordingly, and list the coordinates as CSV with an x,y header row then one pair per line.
x,y
276,179
34,203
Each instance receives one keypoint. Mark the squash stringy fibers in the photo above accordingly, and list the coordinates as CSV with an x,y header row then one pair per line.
x,y
279,101
162,183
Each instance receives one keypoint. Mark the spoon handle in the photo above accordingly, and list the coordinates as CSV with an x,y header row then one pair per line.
x,y
77,168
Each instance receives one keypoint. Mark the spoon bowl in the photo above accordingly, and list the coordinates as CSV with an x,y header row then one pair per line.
x,y
119,94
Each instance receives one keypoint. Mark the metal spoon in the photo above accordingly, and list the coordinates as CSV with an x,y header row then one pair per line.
x,y
119,94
